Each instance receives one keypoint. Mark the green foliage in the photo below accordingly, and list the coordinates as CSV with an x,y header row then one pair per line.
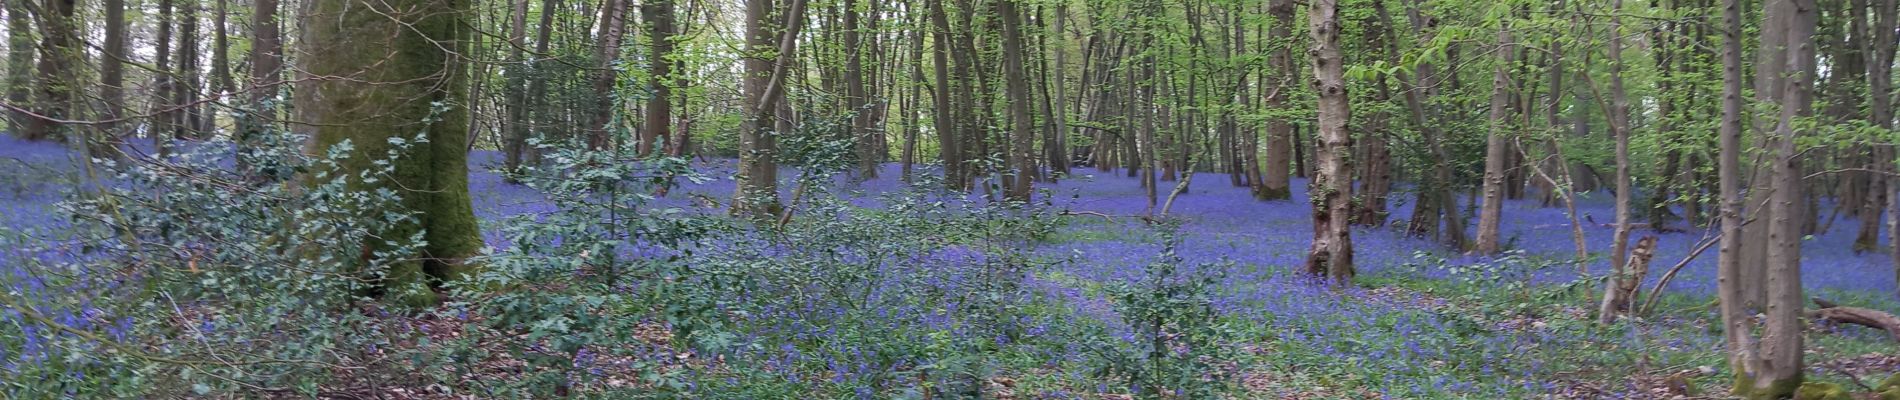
x,y
584,281
1177,340
184,276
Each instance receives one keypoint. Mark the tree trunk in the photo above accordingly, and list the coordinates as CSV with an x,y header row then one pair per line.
x,y
267,65
1059,152
1332,180
398,51
657,126
1016,82
112,72
61,52
1777,366
1770,63
915,99
1496,150
221,54
1619,116
613,26
19,67
1276,185
757,191
855,101
514,136
1880,76
949,142
1879,57
190,84
1731,292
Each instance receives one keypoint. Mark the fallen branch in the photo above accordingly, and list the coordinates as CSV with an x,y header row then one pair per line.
x,y
1108,217
1858,316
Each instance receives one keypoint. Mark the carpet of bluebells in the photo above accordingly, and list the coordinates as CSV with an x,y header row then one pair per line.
x,y
1422,322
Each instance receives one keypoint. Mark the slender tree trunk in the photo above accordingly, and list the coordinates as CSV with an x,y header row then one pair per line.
x,y
915,100
221,53
1059,152
19,67
1016,80
190,85
61,52
112,72
855,101
1880,75
949,142
613,26
1280,137
1736,325
1376,178
514,136
1619,116
1497,148
757,191
1332,181
267,65
1879,53
659,111
1769,67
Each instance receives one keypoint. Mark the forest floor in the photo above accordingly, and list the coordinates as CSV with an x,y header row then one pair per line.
x,y
1419,321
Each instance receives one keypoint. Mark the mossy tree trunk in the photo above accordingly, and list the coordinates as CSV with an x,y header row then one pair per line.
x,y
389,69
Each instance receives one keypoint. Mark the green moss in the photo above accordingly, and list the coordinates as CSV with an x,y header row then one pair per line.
x,y
402,93
1746,387
1821,391
1266,193
1779,389
1892,383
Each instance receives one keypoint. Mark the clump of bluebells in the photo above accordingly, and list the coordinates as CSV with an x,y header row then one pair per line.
x,y
183,275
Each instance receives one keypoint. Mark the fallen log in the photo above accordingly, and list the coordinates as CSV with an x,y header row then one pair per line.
x,y
1867,317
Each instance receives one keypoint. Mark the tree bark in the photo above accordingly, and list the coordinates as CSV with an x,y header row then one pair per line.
x,y
1879,57
1276,184
1332,181
112,71
61,53
405,58
1496,150
757,190
1059,150
1016,82
267,65
1731,292
1619,116
657,128
190,84
19,67
221,78
949,142
613,26
1781,337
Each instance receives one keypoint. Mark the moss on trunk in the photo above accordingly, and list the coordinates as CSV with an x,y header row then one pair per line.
x,y
1747,388
388,70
